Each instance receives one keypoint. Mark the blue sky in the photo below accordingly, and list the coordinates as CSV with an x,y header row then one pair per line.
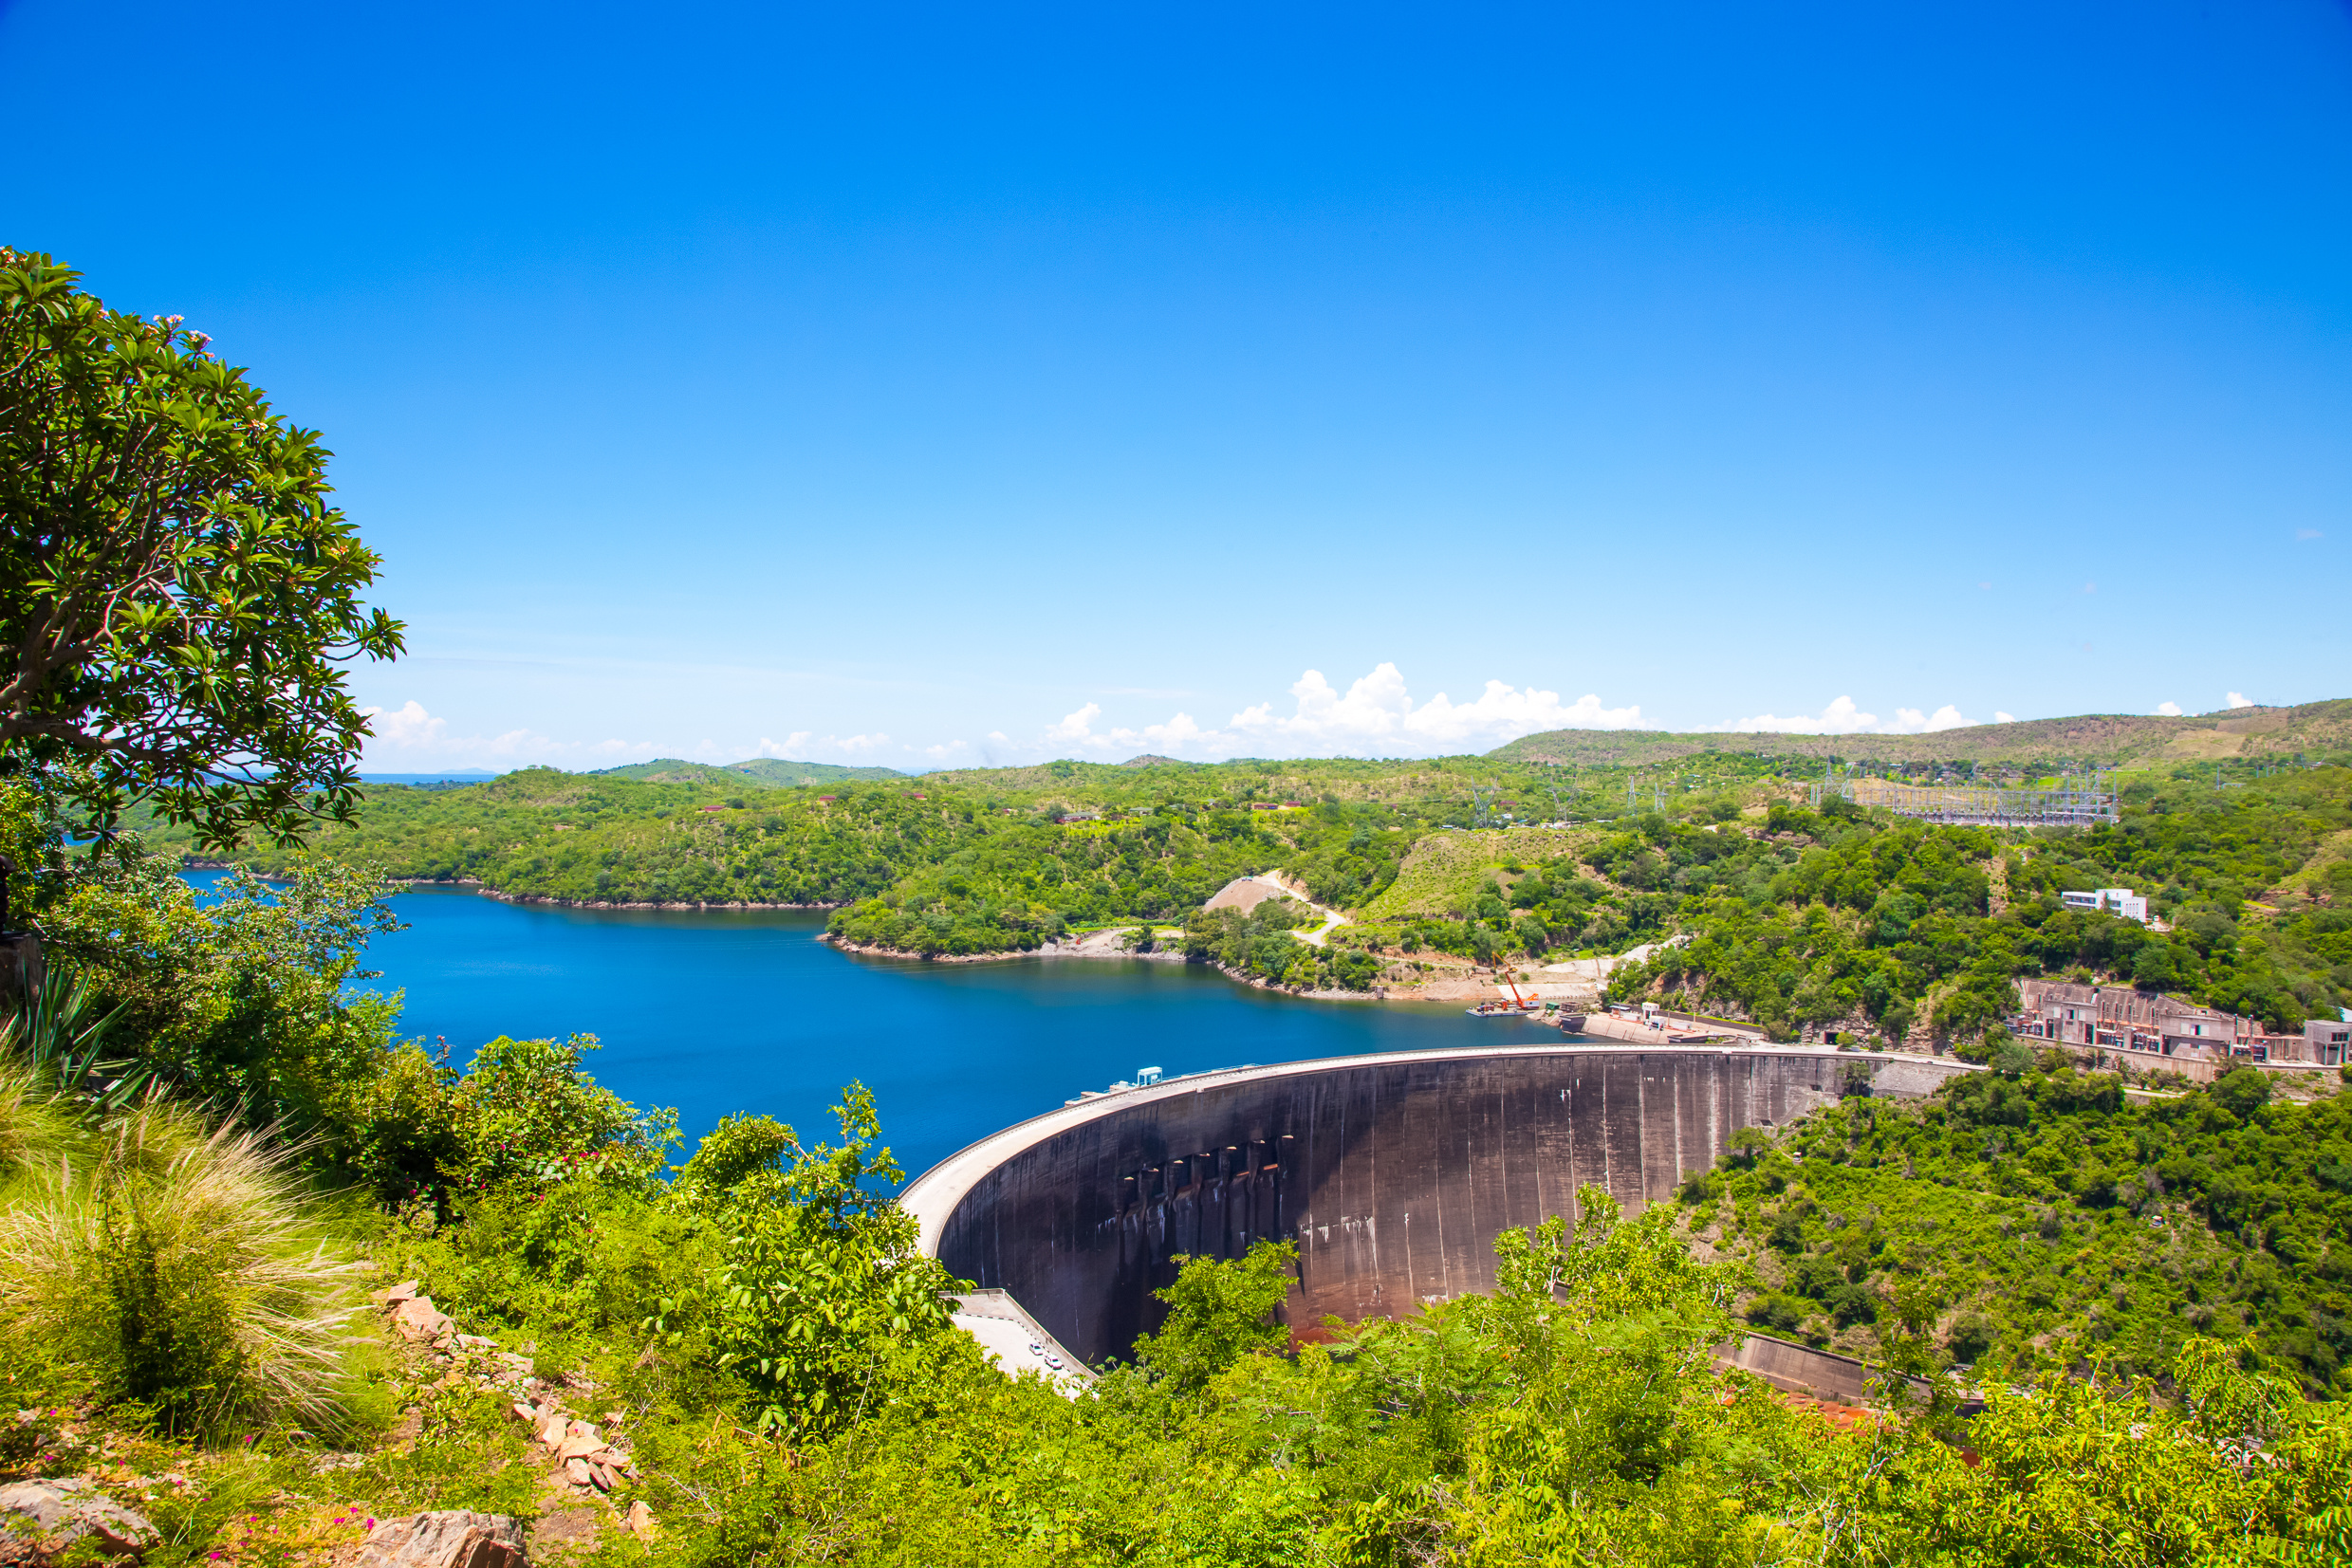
x,y
926,385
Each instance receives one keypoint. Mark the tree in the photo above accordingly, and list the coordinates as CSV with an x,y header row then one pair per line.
x,y
177,599
2244,1090
1220,1312
822,1281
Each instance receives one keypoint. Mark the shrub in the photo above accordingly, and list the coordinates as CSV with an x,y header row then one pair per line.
x,y
1779,1314
823,1285
1851,1305
411,1130
2243,1090
1814,1277
183,1271
1219,1311
1971,1335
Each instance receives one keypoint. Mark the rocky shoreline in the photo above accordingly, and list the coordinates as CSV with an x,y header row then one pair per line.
x,y
606,904
1106,943
1103,944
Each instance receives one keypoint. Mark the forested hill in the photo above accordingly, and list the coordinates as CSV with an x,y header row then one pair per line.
x,y
1842,919
2037,1212
769,772
2033,745
1854,921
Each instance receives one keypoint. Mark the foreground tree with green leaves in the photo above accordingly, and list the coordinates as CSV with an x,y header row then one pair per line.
x,y
177,597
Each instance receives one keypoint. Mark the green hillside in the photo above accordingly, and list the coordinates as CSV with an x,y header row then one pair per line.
x,y
1844,918
2039,1211
768,772
2034,745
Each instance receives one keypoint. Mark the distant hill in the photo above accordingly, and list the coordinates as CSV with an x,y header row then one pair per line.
x,y
2314,728
453,776
1151,759
768,772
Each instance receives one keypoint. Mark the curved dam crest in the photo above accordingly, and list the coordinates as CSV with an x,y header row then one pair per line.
x,y
1392,1173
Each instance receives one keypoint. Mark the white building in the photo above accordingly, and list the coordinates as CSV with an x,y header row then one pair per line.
x,y
2121,901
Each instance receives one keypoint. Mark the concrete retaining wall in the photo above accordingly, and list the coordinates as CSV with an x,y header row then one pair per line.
x,y
1394,1173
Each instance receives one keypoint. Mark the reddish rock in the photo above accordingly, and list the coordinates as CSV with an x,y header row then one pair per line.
x,y
41,1518
418,1319
449,1539
568,1528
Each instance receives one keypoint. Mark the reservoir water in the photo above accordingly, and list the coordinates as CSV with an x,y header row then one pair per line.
x,y
747,1012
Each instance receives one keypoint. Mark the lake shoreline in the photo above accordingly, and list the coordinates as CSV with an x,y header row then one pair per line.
x,y
192,863
1106,945
1103,944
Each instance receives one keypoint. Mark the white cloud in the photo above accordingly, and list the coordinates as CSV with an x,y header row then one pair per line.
x,y
1077,725
1841,717
804,745
1180,733
2239,699
406,726
2308,533
2170,709
1999,717
1376,714
1909,721
409,734
1846,717
942,752
1377,709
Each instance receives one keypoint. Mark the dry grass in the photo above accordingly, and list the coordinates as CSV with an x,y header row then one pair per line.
x,y
186,1270
1443,872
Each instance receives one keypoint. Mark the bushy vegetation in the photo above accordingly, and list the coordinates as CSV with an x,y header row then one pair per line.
x,y
2046,1215
1848,921
1262,945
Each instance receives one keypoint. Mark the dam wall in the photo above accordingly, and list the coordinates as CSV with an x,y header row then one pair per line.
x,y
1392,1173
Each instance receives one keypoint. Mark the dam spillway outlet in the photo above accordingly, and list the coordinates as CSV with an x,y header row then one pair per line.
x,y
1392,1173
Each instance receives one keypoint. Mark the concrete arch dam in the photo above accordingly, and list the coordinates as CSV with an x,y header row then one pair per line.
x,y
1394,1173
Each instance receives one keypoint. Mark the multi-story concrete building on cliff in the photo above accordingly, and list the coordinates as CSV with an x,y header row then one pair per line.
x,y
2124,1024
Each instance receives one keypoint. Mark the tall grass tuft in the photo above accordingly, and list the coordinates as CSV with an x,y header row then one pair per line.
x,y
34,1135
183,1270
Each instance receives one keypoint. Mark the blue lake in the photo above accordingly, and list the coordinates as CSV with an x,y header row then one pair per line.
x,y
747,1012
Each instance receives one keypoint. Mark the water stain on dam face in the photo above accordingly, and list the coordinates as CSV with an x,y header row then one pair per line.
x,y
1392,1174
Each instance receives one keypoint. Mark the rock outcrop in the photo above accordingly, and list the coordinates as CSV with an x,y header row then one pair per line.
x,y
44,1518
449,1539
